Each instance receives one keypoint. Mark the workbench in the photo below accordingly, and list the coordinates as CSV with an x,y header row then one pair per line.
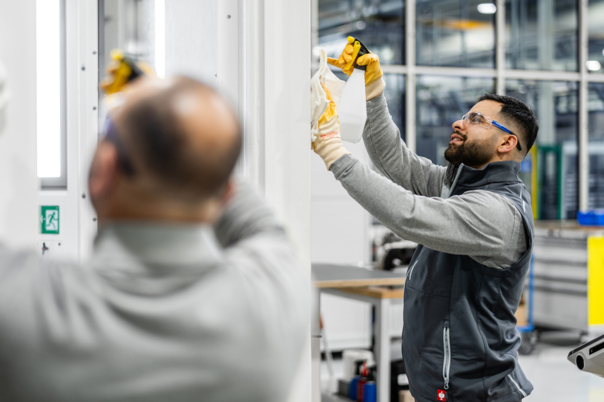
x,y
370,286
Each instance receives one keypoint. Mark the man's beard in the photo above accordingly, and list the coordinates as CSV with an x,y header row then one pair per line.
x,y
471,154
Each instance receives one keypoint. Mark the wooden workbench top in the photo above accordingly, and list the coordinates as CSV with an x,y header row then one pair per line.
x,y
348,276
377,292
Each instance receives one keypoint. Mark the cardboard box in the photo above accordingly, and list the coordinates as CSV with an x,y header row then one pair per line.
x,y
522,314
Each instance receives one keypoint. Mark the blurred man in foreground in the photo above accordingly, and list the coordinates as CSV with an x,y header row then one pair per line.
x,y
193,291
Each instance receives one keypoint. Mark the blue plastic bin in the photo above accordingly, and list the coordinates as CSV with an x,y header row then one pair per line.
x,y
594,217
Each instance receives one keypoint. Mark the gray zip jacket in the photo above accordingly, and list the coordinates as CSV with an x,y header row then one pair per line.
x,y
161,312
464,283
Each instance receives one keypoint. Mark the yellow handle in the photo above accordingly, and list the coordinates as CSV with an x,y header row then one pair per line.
x,y
121,74
355,52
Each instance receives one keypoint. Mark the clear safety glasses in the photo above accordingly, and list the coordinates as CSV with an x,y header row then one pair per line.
x,y
478,119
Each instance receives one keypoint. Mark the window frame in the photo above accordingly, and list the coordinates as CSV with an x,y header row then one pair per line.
x,y
500,73
60,183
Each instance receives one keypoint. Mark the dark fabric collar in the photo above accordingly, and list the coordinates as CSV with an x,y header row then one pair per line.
x,y
495,172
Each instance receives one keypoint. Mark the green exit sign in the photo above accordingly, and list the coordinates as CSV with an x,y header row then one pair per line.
x,y
49,219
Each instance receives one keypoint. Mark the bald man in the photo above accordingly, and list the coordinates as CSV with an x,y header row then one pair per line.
x,y
193,291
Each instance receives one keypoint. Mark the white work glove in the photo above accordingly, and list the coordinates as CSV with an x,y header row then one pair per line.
x,y
327,143
318,98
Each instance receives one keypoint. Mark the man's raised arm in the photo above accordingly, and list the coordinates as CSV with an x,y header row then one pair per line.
x,y
393,159
382,138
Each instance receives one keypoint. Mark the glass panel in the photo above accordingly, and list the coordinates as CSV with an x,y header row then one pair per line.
x,y
596,146
379,25
596,36
456,33
395,95
554,178
541,34
440,102
49,81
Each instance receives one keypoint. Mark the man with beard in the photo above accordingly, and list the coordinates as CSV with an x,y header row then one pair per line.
x,y
474,225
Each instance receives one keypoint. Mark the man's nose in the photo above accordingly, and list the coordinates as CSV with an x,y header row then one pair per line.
x,y
459,125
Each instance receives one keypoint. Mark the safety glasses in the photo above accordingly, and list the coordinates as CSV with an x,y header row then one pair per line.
x,y
112,135
478,119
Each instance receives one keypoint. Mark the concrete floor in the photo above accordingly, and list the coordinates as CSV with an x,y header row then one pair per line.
x,y
555,379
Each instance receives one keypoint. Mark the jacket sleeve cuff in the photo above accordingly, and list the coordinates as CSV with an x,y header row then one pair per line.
x,y
376,104
342,165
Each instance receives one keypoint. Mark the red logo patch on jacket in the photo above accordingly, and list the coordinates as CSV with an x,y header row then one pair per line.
x,y
441,395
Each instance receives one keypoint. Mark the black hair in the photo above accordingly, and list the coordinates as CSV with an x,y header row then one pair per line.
x,y
519,113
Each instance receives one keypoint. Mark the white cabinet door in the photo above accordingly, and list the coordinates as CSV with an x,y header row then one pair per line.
x,y
339,235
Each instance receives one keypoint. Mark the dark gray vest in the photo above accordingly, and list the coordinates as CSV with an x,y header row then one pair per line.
x,y
460,339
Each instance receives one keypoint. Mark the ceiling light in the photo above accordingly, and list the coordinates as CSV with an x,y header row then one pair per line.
x,y
487,8
593,65
360,25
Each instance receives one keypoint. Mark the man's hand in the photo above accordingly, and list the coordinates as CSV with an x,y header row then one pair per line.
x,y
374,83
328,144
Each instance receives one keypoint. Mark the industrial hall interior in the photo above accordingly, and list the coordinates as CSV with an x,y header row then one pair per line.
x,y
302,200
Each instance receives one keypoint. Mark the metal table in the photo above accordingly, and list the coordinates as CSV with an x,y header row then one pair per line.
x,y
361,284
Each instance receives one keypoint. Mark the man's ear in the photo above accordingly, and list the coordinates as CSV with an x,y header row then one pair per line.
x,y
104,171
229,192
507,144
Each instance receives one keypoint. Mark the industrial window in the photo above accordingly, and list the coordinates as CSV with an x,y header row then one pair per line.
x,y
596,145
50,82
438,56
541,35
455,33
556,167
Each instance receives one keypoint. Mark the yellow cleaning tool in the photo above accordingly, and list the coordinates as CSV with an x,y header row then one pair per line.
x,y
358,50
122,70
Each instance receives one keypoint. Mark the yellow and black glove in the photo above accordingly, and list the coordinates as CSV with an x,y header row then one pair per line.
x,y
122,70
374,83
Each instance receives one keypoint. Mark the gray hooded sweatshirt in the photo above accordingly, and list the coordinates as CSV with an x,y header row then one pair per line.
x,y
465,281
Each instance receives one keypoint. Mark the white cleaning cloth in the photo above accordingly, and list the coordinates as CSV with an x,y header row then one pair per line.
x,y
318,99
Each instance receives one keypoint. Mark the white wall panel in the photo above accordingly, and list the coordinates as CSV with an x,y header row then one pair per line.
x,y
347,322
192,38
285,49
18,159
339,231
257,52
339,235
